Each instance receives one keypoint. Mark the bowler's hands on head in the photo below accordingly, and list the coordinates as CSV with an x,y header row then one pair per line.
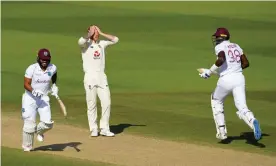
x,y
98,30
91,31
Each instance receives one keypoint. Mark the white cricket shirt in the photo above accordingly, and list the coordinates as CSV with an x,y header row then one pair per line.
x,y
93,54
41,80
233,54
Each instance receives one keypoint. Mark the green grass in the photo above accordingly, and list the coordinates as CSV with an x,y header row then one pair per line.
x,y
15,157
151,70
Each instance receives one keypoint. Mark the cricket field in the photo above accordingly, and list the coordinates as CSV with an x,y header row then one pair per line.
x,y
160,107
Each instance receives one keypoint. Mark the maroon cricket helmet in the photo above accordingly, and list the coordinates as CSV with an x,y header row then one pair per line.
x,y
43,57
220,35
44,54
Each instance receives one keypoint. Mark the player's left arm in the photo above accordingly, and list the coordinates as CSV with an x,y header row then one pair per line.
x,y
54,88
244,61
111,38
54,78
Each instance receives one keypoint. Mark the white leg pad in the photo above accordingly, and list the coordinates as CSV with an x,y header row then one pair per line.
x,y
28,139
218,114
28,133
42,127
247,116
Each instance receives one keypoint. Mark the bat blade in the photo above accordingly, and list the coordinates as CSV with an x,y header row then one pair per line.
x,y
62,106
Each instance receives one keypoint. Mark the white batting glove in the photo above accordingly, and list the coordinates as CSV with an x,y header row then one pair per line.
x,y
205,74
37,93
54,90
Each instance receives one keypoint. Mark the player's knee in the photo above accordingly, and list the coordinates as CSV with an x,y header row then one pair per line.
x,y
106,103
91,106
46,125
29,126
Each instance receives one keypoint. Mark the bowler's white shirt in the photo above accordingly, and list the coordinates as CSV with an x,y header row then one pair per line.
x,y
93,54
41,80
233,54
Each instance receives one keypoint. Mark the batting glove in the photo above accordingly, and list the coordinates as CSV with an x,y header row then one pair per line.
x,y
37,93
206,74
54,90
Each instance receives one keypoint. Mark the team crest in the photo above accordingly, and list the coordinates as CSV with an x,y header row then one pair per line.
x,y
97,55
45,53
49,74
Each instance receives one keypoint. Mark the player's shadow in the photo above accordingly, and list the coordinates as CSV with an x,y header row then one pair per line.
x,y
119,128
248,137
59,147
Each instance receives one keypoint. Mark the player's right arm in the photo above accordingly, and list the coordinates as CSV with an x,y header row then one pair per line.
x,y
28,78
27,84
82,42
28,81
219,50
244,61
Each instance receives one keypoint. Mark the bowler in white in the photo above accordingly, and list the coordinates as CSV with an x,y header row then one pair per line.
x,y
95,79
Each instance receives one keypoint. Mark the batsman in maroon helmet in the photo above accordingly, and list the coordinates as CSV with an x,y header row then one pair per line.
x,y
40,79
229,65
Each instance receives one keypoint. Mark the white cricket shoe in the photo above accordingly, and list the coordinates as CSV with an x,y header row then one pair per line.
x,y
94,133
222,134
40,137
27,148
107,133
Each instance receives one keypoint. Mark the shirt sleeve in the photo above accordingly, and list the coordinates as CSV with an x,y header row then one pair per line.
x,y
218,49
30,71
240,49
54,69
106,43
82,42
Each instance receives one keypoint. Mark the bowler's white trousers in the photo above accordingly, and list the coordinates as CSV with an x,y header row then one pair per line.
x,y
96,84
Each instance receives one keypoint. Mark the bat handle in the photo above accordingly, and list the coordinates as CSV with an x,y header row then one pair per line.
x,y
57,97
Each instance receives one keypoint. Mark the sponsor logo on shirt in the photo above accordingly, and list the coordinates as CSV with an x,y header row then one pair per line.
x,y
42,81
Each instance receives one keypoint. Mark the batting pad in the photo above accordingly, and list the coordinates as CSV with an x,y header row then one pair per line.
x,y
28,139
42,127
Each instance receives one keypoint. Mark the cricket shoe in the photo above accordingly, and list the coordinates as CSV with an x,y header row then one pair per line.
x,y
40,137
222,134
27,148
257,130
107,133
94,133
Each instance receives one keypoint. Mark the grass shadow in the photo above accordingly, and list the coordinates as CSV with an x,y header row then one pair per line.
x,y
248,137
119,128
59,147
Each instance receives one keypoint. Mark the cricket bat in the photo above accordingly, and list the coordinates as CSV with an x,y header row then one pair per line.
x,y
62,106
